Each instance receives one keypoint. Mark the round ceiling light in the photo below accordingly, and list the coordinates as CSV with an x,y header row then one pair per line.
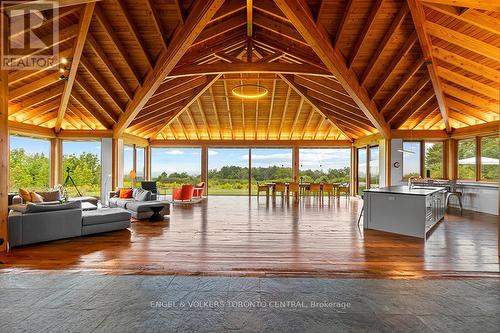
x,y
249,91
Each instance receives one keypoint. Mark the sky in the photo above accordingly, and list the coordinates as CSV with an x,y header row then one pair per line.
x,y
32,146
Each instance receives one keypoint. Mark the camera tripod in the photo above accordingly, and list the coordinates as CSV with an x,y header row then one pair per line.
x,y
69,181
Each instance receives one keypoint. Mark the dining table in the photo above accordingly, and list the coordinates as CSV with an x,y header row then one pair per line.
x,y
303,187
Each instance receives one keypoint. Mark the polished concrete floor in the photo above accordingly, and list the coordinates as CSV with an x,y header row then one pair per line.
x,y
91,303
240,236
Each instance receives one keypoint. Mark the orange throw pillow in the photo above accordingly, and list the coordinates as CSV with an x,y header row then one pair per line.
x,y
126,194
25,195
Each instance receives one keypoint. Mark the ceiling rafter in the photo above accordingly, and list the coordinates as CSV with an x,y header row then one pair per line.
x,y
157,22
468,83
34,86
410,96
202,11
479,4
283,115
299,14
91,93
345,18
104,120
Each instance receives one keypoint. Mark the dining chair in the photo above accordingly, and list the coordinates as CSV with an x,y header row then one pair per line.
x,y
279,187
328,189
294,188
262,188
454,193
344,188
314,189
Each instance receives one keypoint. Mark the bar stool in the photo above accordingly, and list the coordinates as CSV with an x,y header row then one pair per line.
x,y
454,193
362,209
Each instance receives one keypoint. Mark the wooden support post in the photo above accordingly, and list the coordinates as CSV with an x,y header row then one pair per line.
x,y
295,164
4,159
114,164
134,162
55,162
354,164
147,162
451,159
204,167
249,171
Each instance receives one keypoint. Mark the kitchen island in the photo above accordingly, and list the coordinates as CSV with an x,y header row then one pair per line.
x,y
403,210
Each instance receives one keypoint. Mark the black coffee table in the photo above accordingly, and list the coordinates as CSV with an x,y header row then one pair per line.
x,y
156,213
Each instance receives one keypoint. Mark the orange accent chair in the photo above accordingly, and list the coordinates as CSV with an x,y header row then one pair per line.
x,y
185,193
199,189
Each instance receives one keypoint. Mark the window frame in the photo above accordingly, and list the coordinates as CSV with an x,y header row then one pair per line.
x,y
478,141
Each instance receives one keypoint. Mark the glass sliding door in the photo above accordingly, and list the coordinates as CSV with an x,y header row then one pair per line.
x,y
140,164
173,167
228,171
83,159
361,172
374,167
270,165
29,166
411,159
325,165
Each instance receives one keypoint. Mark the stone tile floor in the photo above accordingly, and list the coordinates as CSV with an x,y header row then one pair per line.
x,y
90,303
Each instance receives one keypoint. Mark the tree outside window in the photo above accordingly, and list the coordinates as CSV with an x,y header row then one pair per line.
x,y
467,159
490,155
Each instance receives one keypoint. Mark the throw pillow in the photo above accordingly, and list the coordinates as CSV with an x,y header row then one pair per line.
x,y
51,195
25,195
143,195
126,194
36,198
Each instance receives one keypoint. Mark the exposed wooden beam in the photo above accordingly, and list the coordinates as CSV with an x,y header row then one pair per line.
x,y
299,14
206,125
410,97
53,4
35,100
97,49
398,58
296,118
396,23
418,15
479,4
475,112
34,86
417,106
251,143
467,42
4,155
271,107
28,129
218,30
134,32
366,29
157,23
202,11
193,123
228,108
481,129
180,12
465,63
196,95
345,18
104,120
470,98
243,67
108,29
284,30
98,100
214,107
283,115
429,108
308,120
83,28
249,18
271,57
464,81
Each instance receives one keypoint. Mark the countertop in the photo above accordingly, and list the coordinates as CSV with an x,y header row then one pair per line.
x,y
403,189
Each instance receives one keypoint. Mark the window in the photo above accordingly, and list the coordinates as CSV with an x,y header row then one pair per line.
x,y
173,167
325,165
83,161
29,164
434,160
489,158
467,159
228,171
374,167
140,167
411,159
270,165
128,164
361,170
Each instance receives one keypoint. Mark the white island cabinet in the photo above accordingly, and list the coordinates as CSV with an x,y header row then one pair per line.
x,y
404,211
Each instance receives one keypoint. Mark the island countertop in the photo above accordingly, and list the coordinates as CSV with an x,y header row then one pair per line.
x,y
403,189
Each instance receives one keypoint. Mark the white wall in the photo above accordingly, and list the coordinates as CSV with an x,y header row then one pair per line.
x,y
106,167
120,162
381,162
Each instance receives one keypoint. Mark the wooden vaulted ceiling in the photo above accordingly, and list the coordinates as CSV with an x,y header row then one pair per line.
x,y
164,69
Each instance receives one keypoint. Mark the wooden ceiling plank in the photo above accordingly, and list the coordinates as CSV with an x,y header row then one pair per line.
x,y
304,129
299,14
396,23
467,42
277,27
345,18
423,115
414,108
478,4
217,30
296,118
420,22
481,115
249,18
410,96
31,102
91,93
374,11
291,81
95,113
468,83
134,31
202,11
285,108
470,98
97,49
193,123
99,15
101,82
83,28
201,109
34,86
214,106
389,70
227,57
228,108
89,123
157,22
271,107
184,130
318,126
467,64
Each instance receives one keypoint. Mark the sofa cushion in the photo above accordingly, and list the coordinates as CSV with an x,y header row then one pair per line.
x,y
142,195
36,198
122,203
21,208
50,195
143,206
126,194
32,208
104,215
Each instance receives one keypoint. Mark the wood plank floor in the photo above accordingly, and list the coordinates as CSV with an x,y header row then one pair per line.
x,y
240,236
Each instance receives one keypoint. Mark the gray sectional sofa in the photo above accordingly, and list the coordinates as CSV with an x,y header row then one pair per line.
x,y
32,223
139,205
